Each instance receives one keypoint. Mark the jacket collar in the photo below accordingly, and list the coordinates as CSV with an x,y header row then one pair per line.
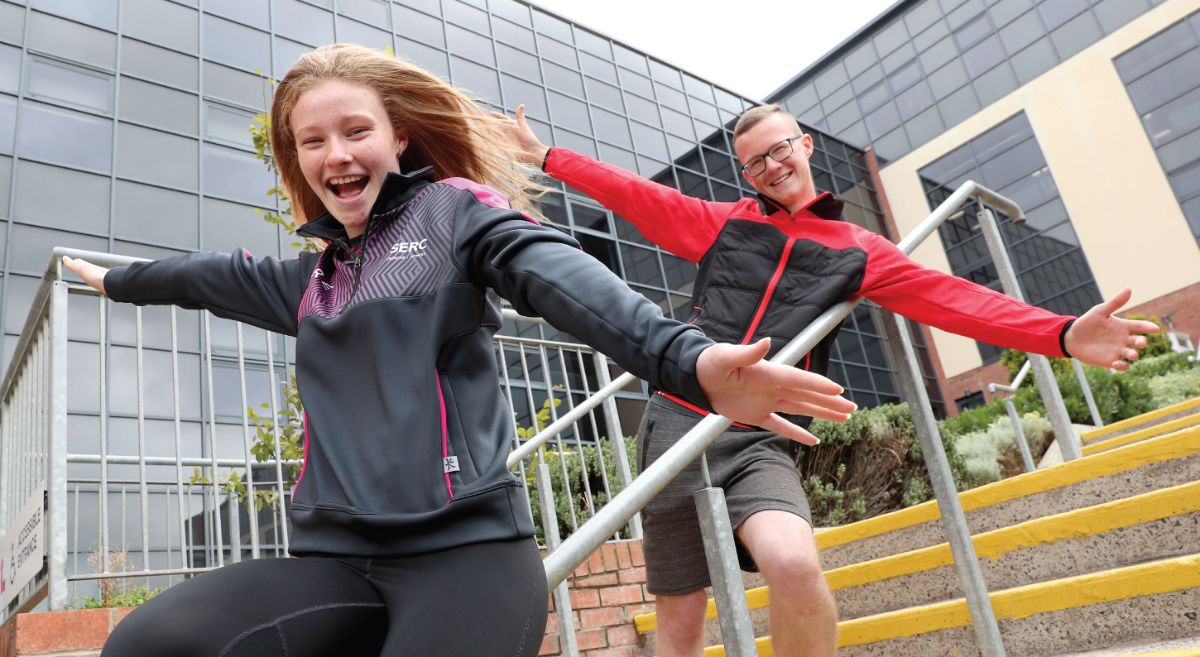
x,y
824,206
398,189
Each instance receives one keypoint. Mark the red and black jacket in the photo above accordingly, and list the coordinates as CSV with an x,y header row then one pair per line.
x,y
765,272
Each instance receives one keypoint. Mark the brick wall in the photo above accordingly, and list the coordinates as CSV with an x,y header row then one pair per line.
x,y
607,591
78,632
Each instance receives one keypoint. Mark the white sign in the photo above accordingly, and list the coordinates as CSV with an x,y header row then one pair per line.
x,y
23,548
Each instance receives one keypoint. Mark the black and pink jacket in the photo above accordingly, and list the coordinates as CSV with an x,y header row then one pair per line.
x,y
407,429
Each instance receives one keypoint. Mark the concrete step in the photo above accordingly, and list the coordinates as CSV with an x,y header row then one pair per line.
x,y
1118,473
1189,647
1134,605
1141,434
1143,421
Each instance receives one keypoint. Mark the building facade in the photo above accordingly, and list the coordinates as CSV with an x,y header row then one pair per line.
x,y
1085,112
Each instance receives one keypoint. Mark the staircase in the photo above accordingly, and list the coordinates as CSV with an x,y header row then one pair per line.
x,y
1097,557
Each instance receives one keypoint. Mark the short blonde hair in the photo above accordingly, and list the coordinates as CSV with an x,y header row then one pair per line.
x,y
754,115
446,129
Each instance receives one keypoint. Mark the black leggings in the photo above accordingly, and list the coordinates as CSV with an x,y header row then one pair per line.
x,y
476,600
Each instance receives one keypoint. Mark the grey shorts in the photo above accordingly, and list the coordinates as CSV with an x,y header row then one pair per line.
x,y
755,468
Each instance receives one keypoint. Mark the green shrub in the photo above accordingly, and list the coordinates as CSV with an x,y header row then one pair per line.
x,y
985,453
1155,366
1174,387
586,491
869,465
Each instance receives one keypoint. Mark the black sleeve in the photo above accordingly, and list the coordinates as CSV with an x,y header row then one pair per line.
x,y
544,273
263,292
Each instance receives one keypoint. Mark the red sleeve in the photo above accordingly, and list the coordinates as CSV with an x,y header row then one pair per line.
x,y
684,225
896,282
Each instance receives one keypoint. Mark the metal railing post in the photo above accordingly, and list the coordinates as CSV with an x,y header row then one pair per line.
x,y
720,551
954,521
568,645
1087,392
616,436
1019,435
56,484
1056,410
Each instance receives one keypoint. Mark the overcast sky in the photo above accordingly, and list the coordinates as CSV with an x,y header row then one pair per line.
x,y
751,47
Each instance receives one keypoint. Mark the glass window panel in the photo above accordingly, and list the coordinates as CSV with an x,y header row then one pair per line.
x,y
1060,11
872,98
41,198
352,31
56,81
154,214
1034,60
8,126
479,80
1179,152
156,156
861,59
1006,10
254,13
641,265
430,59
678,124
10,68
671,98
285,54
843,117
518,91
905,77
553,51
228,125
372,12
995,84
681,274
924,126
1166,82
933,34
466,15
229,226
602,249
832,78
940,53
665,74
101,13
236,45
238,87
418,26
569,113
159,64
893,144
618,157
649,141
512,10
963,15
1155,51
593,43
698,88
603,94
636,83
630,59
1115,13
598,68
613,128
590,217
158,106
1022,32
641,109
514,34
948,78
922,16
55,36
547,24
236,175
563,79
1176,118
300,21
883,119
971,33
574,141
161,22
891,37
837,98
1077,34
518,62
899,58
470,45
867,79
1191,212
5,174
984,56
12,23
32,246
60,135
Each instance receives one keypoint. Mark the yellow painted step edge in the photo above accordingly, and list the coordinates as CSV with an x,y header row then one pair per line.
x,y
1135,436
1183,406
765,649
1162,448
1089,521
1044,597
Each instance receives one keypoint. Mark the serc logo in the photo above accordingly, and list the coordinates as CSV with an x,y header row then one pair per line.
x,y
406,250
